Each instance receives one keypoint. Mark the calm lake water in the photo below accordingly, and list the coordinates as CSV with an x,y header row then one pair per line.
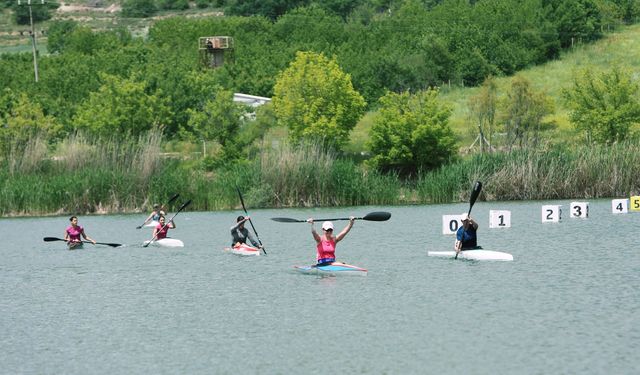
x,y
567,304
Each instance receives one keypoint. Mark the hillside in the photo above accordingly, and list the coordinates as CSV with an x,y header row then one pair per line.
x,y
621,47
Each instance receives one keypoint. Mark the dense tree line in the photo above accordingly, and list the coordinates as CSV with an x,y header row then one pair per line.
x,y
112,83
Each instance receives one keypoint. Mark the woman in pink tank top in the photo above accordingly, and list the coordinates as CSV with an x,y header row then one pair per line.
x,y
74,234
326,244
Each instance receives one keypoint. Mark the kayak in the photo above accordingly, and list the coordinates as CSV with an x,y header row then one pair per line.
x,y
244,250
335,268
473,255
165,242
75,245
151,224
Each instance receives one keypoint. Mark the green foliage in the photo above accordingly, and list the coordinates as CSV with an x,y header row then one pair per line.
x,y
121,107
315,99
220,119
57,34
411,133
524,112
22,121
267,8
138,8
483,110
604,106
39,12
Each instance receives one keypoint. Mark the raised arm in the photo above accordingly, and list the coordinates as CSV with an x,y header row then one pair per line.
x,y
345,230
315,234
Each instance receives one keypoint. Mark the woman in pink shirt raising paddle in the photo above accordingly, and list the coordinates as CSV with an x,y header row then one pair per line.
x,y
326,244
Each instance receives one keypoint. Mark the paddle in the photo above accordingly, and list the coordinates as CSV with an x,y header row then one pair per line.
x,y
250,222
373,216
185,204
474,195
50,239
173,198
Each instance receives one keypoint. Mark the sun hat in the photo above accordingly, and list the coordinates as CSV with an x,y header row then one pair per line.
x,y
464,216
327,225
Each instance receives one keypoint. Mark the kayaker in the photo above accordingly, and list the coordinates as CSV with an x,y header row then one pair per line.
x,y
240,234
160,231
326,244
466,237
74,233
155,214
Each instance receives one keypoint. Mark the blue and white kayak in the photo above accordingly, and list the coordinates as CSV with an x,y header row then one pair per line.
x,y
473,255
165,242
243,250
336,268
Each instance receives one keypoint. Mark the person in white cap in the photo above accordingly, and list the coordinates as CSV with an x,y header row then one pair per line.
x,y
326,244
466,237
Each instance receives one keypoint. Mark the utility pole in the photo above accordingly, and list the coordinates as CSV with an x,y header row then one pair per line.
x,y
33,36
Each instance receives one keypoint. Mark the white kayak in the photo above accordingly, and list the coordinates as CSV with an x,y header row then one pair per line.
x,y
243,250
473,255
165,242
151,224
333,269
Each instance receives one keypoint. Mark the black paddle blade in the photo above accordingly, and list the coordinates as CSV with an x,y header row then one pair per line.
x,y
474,194
173,198
109,244
185,204
287,220
50,239
377,216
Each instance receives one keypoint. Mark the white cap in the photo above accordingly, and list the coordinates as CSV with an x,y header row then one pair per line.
x,y
327,225
464,216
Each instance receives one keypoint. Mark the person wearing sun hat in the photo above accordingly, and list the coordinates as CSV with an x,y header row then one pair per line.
x,y
326,243
466,236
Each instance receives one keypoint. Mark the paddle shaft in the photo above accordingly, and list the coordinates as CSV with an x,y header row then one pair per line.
x,y
185,204
49,239
373,216
250,222
474,195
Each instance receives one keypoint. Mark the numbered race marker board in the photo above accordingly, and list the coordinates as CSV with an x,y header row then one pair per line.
x,y
620,206
499,219
551,213
635,203
451,223
579,210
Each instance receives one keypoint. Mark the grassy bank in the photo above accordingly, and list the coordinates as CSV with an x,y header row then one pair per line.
x,y
109,176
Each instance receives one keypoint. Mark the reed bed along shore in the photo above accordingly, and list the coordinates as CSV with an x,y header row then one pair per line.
x,y
115,176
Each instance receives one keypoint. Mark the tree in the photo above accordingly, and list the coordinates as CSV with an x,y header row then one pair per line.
x,y
411,133
482,111
121,107
315,99
138,8
23,120
220,120
524,113
605,106
57,34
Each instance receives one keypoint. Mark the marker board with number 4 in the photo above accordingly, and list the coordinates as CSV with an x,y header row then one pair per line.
x,y
620,206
